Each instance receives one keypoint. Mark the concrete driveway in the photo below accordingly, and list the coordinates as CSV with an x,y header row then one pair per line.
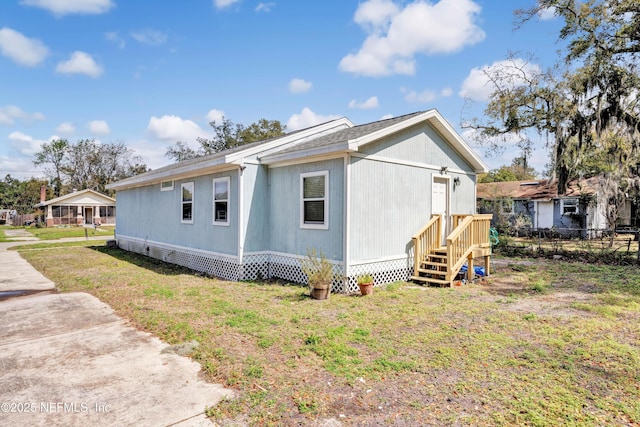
x,y
67,360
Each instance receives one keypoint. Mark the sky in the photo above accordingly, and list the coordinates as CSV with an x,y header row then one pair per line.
x,y
151,73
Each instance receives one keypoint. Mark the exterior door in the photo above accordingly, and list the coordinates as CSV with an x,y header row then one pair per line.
x,y
544,215
88,215
440,203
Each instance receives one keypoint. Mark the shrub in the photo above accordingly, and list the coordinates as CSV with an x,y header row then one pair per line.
x,y
318,270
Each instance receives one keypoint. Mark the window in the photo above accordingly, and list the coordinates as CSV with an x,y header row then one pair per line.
x,y
187,203
569,206
314,201
506,206
221,201
166,186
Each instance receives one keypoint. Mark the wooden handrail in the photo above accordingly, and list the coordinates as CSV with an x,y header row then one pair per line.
x,y
428,238
472,232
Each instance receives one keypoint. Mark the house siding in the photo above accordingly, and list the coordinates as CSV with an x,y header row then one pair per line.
x,y
420,143
256,215
135,220
390,202
285,234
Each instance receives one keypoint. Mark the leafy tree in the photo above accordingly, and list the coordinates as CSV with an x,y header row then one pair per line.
x,y
88,164
53,153
587,105
518,171
227,135
20,195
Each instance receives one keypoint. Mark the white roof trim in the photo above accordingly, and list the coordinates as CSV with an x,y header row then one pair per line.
x,y
440,124
62,199
219,163
296,137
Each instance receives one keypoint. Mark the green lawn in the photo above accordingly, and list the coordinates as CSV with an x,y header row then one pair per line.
x,y
540,343
54,233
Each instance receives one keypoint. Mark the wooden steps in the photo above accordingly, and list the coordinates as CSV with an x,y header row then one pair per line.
x,y
433,269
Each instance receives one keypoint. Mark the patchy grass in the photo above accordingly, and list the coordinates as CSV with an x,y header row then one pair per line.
x,y
54,233
502,353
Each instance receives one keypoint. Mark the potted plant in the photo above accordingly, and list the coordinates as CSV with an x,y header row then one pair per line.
x,y
365,282
319,273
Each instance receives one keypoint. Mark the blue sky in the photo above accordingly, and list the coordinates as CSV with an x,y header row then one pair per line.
x,y
153,73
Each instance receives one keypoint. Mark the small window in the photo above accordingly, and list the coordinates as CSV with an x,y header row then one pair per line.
x,y
314,202
166,186
506,206
569,206
221,201
187,203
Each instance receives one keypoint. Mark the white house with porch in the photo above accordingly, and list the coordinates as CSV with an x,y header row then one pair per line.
x,y
86,207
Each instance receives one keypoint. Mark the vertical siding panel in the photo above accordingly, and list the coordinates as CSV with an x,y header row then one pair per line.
x,y
285,234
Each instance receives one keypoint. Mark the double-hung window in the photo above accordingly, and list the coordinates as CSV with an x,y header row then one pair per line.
x,y
569,206
187,203
221,188
314,200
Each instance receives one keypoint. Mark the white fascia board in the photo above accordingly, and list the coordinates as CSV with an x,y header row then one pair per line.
x,y
440,124
58,200
174,173
288,139
333,149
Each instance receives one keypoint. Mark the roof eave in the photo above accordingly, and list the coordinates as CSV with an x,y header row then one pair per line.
x,y
441,125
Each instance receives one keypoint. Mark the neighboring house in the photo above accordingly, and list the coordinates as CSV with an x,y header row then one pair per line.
x,y
5,216
536,204
357,194
78,208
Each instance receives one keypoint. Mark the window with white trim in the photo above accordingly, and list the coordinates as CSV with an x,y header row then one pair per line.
x,y
187,202
569,206
506,206
166,186
314,201
221,188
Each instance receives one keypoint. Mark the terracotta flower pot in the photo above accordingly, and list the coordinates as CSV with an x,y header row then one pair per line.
x,y
366,288
320,293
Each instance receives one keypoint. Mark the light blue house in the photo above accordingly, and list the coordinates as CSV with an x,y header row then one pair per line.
x,y
355,193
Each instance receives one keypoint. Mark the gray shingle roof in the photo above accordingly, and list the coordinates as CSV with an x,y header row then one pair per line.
x,y
345,135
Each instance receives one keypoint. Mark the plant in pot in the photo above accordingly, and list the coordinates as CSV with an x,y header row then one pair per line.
x,y
319,272
365,282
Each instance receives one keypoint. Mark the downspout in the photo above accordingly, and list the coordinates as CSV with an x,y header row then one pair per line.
x,y
345,222
241,169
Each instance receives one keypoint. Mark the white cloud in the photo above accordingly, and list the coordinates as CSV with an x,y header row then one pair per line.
x,y
150,37
396,37
366,105
174,128
478,87
99,127
80,63
299,86
20,49
215,116
25,144
423,97
10,113
66,7
66,128
264,7
375,15
547,13
387,116
307,118
112,36
221,4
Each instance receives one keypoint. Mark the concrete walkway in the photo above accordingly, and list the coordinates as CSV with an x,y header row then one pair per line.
x,y
67,360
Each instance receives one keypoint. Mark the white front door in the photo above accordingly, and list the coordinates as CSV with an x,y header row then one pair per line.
x,y
544,214
440,203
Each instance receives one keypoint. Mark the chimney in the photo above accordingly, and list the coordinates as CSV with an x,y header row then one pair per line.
x,y
43,193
